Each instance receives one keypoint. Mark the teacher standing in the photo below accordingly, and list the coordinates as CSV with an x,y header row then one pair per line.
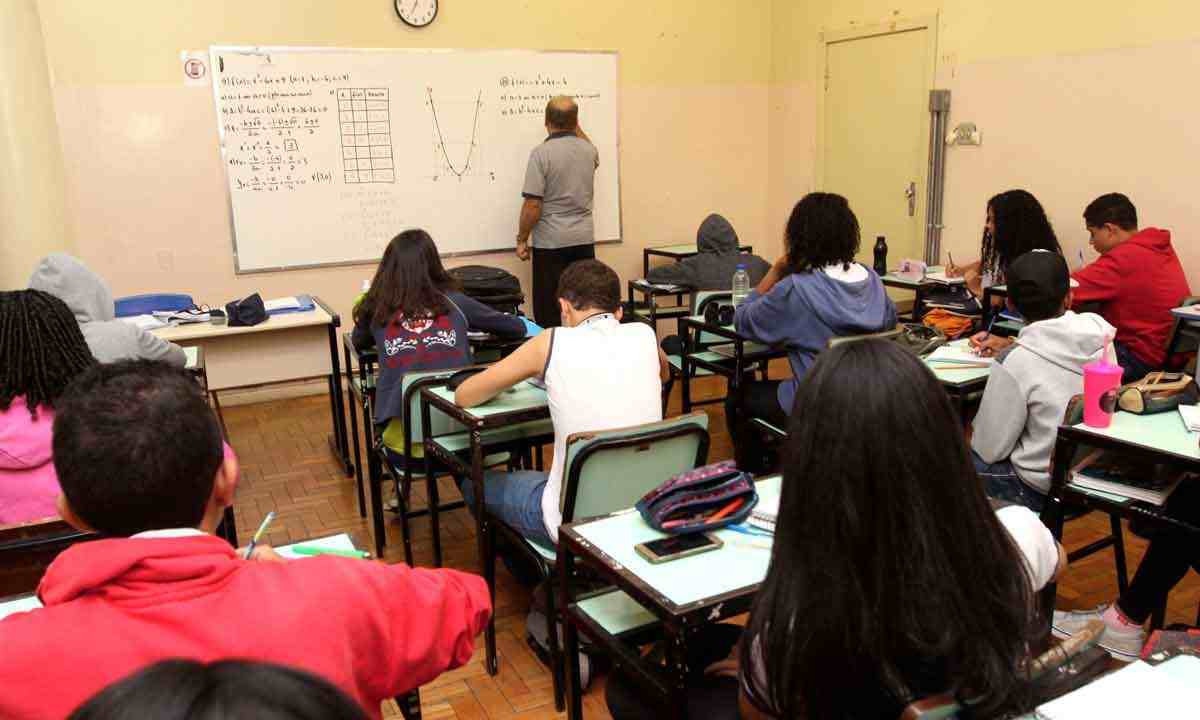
x,y
559,182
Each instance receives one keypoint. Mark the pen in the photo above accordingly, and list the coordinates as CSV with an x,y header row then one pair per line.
x,y
951,256
258,535
1080,258
315,550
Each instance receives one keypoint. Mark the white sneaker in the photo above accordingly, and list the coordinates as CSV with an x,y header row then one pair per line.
x,y
1123,643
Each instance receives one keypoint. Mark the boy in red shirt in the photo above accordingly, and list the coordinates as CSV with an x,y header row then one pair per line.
x,y
139,457
1137,280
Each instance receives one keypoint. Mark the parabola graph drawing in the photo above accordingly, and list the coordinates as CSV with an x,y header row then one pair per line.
x,y
441,138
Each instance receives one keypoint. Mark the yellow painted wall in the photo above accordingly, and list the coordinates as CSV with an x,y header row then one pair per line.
x,y
33,215
995,57
146,186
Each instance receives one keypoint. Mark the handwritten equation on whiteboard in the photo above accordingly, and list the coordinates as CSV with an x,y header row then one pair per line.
x,y
275,126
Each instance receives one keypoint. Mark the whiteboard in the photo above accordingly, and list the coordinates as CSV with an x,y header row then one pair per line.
x,y
329,153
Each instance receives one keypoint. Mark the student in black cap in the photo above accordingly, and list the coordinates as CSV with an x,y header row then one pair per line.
x,y
1033,379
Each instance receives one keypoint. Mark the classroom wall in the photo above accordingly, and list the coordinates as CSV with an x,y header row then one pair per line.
x,y
33,214
1074,98
144,179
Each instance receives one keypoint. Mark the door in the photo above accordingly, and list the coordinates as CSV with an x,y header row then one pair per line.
x,y
876,134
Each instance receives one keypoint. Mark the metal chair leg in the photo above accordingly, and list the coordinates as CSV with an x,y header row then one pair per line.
x,y
1119,553
557,671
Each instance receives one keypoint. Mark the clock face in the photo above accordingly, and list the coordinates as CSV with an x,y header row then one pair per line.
x,y
417,13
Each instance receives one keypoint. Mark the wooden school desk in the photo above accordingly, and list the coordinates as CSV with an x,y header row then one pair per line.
x,y
647,309
517,417
243,357
1160,438
677,596
731,358
678,252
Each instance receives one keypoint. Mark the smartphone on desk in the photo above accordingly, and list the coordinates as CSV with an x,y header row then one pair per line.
x,y
677,546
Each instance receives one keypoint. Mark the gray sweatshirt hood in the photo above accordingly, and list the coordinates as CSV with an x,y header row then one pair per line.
x,y
716,235
1068,341
71,281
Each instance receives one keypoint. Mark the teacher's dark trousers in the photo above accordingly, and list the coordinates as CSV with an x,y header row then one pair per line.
x,y
548,266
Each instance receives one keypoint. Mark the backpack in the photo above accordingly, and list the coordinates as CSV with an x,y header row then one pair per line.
x,y
491,286
920,339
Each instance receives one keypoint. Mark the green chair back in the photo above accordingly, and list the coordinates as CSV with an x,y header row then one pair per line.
x,y
611,470
702,299
439,422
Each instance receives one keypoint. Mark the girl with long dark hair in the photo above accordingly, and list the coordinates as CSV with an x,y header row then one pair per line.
x,y
1016,224
892,577
416,317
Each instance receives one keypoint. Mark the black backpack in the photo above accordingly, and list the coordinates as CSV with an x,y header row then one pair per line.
x,y
491,286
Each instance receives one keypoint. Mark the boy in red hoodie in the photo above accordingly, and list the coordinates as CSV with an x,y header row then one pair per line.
x,y
1137,280
139,458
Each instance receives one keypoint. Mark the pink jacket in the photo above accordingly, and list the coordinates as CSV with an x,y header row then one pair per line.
x,y
28,483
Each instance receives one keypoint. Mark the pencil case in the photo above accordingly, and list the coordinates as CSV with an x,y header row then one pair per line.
x,y
706,498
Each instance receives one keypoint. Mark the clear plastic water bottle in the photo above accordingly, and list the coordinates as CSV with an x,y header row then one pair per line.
x,y
741,285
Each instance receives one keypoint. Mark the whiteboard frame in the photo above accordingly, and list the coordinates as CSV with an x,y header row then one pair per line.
x,y
215,50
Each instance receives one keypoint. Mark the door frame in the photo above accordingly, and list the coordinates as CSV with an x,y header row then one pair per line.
x,y
825,38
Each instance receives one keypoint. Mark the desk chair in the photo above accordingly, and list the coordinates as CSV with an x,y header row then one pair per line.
x,y
26,549
1184,338
604,472
1116,538
777,433
702,344
400,466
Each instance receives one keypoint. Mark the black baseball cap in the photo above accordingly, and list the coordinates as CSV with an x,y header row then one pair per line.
x,y
1038,283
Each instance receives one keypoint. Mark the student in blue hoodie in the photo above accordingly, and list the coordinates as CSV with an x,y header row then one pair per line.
x,y
814,292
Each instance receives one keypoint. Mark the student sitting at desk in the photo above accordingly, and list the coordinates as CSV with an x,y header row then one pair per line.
x,y
1016,224
892,577
1031,383
814,292
717,258
416,317
41,352
89,298
1137,280
600,374
139,458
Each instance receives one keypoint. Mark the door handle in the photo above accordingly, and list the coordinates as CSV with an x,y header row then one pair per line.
x,y
910,192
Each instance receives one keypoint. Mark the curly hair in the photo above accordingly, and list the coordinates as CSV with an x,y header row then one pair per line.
x,y
41,348
821,231
1021,226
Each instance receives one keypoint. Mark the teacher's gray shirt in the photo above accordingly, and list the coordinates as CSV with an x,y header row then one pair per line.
x,y
562,173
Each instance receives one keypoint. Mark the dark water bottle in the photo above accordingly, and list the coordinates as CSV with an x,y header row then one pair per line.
x,y
880,256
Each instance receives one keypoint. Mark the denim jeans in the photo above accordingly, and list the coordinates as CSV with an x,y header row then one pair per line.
x,y
1000,481
1134,369
516,499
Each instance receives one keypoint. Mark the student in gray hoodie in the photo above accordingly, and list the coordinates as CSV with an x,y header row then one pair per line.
x,y
1031,383
91,301
814,292
715,261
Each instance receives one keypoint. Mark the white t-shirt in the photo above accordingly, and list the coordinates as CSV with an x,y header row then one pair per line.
x,y
601,375
1033,539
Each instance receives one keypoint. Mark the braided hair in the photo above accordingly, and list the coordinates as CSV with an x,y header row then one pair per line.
x,y
41,348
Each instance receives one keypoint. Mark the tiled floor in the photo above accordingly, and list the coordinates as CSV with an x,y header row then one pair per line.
x,y
287,467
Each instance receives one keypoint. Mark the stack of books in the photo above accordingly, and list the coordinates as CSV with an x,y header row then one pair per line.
x,y
1125,477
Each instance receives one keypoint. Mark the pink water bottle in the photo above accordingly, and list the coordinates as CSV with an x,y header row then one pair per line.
x,y
1100,382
